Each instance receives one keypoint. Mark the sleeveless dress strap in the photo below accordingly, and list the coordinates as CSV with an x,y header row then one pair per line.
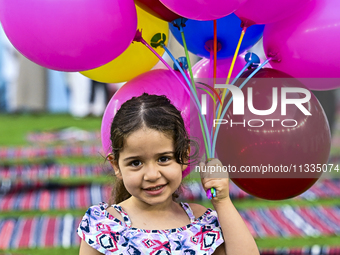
x,y
188,210
125,216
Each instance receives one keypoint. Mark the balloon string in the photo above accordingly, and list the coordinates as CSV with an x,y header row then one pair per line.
x,y
208,92
233,82
203,123
231,99
193,84
188,59
211,65
232,65
215,65
165,63
215,49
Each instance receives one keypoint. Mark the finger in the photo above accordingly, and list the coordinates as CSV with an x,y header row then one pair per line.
x,y
213,162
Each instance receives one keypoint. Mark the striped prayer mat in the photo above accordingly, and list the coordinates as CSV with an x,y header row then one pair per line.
x,y
35,172
55,197
50,152
39,232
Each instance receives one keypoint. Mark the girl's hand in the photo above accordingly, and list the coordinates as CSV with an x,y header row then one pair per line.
x,y
213,177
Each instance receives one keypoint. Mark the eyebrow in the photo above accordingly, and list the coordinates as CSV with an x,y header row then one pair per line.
x,y
158,154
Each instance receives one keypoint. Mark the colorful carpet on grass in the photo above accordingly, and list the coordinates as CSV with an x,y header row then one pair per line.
x,y
54,197
41,231
34,172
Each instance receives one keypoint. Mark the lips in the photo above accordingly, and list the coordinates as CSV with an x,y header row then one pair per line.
x,y
155,187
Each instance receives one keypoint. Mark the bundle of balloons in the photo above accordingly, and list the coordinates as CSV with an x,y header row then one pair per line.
x,y
115,41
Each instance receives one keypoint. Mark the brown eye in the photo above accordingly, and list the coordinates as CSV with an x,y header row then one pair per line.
x,y
164,159
135,163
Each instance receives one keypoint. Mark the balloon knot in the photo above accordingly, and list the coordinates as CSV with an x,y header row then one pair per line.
x,y
138,36
179,23
158,40
253,59
209,46
183,63
274,56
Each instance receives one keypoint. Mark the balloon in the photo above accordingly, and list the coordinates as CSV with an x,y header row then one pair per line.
x,y
158,82
137,58
203,10
203,72
156,8
197,33
293,141
267,11
69,35
302,45
204,68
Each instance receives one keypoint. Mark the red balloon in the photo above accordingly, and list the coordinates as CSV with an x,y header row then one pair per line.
x,y
156,8
286,146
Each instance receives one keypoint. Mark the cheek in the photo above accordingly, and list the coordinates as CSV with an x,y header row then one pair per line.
x,y
175,176
131,179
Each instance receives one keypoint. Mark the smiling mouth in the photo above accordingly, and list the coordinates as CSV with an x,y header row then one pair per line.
x,y
156,188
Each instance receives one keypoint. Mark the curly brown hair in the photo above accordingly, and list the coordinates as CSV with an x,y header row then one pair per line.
x,y
154,112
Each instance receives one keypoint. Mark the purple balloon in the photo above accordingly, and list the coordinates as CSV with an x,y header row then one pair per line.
x,y
203,10
69,35
304,45
158,82
267,11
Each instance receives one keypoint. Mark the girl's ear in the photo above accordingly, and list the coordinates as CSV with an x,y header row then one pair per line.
x,y
115,165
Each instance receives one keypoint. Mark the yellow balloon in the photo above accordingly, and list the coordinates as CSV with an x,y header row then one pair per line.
x,y
137,58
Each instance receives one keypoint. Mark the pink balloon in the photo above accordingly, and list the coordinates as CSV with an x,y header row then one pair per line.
x,y
267,11
204,68
274,140
158,82
69,35
203,72
304,45
203,10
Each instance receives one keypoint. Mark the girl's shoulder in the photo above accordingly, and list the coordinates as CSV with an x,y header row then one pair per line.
x,y
197,209
97,225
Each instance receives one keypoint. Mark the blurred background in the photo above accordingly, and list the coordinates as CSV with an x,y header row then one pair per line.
x,y
52,167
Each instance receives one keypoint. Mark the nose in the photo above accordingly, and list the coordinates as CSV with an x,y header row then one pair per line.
x,y
152,172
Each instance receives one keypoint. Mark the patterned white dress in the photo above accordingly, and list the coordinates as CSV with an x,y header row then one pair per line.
x,y
108,235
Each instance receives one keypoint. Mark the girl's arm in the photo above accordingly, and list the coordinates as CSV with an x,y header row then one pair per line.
x,y
238,240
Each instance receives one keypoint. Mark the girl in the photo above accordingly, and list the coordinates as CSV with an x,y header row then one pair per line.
x,y
150,149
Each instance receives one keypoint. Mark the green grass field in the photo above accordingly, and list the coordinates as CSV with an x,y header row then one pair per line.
x,y
14,128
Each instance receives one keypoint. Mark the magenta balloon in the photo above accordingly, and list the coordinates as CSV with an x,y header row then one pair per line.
x,y
69,35
158,82
203,68
267,11
261,142
203,10
305,44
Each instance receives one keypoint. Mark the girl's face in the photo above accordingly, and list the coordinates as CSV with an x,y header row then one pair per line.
x,y
148,167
